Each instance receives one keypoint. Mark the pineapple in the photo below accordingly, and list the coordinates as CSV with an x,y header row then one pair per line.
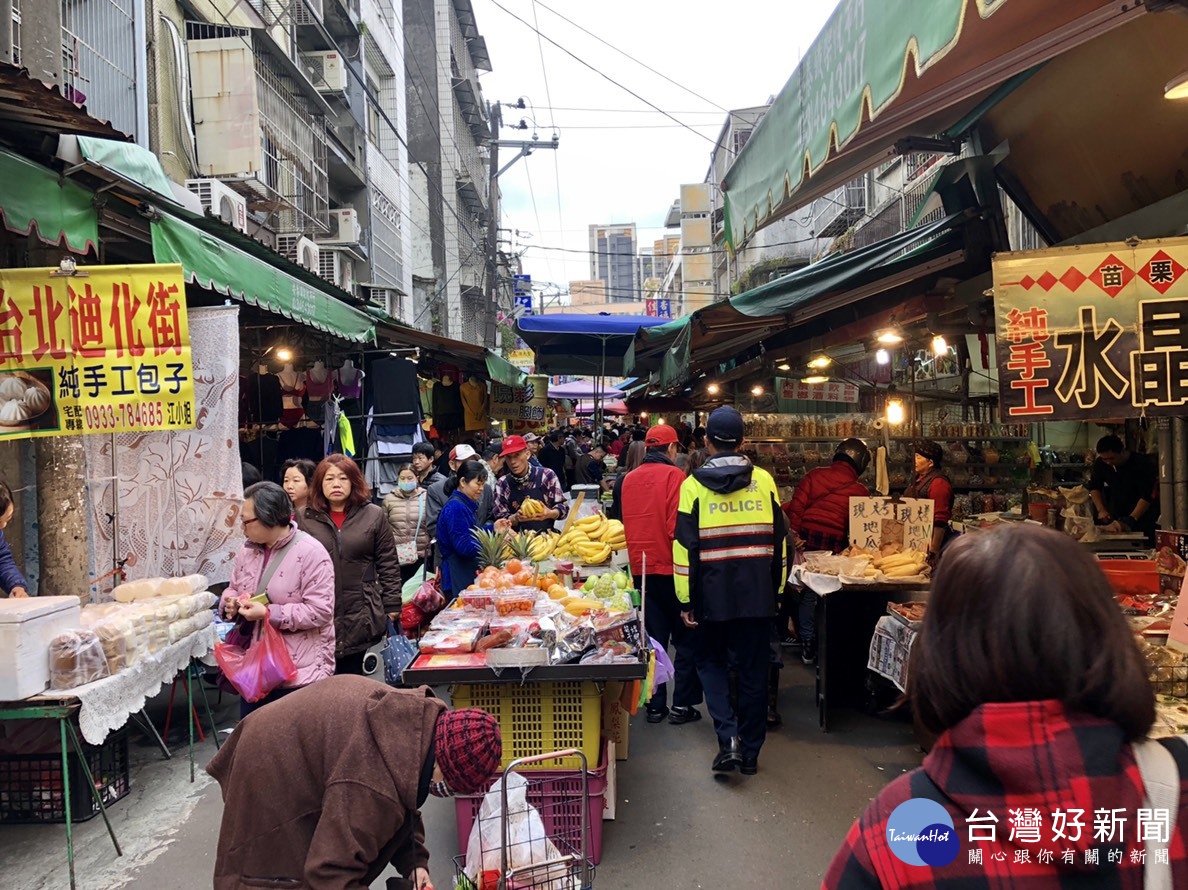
x,y
491,547
521,547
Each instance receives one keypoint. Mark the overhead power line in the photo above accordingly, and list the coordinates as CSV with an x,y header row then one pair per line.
x,y
601,74
631,57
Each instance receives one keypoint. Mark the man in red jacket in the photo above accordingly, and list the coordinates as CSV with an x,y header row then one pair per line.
x,y
819,519
650,497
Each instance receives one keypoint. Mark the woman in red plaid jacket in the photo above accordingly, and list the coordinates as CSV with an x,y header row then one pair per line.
x,y
1029,674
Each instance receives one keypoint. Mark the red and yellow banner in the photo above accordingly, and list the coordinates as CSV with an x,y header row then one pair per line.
x,y
106,350
1094,331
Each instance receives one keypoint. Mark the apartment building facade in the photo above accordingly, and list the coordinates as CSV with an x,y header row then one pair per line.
x,y
613,260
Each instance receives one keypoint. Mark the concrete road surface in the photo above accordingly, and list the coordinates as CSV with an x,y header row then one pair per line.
x,y
676,825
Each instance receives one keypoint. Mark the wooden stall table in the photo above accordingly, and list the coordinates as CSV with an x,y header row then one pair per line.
x,y
846,619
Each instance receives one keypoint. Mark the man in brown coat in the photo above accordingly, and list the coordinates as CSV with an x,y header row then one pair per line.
x,y
323,788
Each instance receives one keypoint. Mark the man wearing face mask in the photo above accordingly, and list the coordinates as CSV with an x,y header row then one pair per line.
x,y
324,787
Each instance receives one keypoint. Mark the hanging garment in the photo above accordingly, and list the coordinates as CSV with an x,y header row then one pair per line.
x,y
474,405
447,406
264,397
319,392
349,384
346,436
300,443
425,390
394,394
292,408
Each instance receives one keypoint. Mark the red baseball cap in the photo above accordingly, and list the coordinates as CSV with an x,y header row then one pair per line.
x,y
512,444
661,434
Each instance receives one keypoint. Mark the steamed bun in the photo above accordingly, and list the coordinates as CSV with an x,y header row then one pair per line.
x,y
11,387
36,399
13,411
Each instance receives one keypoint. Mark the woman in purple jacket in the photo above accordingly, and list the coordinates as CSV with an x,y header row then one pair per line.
x,y
300,592
11,579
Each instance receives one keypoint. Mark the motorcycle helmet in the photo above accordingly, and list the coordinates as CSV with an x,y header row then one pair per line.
x,y
854,451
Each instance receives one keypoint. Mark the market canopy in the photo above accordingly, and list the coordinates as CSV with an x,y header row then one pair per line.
x,y
584,389
719,332
470,357
585,345
883,73
219,266
36,199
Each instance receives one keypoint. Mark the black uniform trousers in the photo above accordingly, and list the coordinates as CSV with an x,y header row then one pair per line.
x,y
664,625
744,645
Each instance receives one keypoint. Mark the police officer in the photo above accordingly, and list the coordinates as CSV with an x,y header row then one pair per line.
x,y
728,566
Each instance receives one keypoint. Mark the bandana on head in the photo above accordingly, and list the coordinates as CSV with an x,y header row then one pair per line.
x,y
469,748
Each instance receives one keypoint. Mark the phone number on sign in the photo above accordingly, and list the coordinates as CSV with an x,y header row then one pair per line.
x,y
137,414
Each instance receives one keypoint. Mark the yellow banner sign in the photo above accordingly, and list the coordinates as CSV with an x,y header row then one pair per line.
x,y
525,403
103,351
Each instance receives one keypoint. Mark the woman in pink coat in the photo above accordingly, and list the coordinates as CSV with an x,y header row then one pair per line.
x,y
299,588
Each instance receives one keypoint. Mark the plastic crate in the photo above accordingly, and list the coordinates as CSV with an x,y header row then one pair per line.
x,y
536,718
31,787
1131,576
556,794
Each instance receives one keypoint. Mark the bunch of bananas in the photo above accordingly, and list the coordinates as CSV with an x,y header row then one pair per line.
x,y
531,508
542,544
592,539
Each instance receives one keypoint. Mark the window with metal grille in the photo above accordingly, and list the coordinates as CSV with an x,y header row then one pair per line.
x,y
16,32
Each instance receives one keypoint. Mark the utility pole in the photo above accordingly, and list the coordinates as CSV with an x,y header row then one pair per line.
x,y
493,213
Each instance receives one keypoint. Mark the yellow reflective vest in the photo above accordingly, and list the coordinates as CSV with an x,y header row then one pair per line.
x,y
730,553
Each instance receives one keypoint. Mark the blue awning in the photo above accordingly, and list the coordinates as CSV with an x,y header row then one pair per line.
x,y
583,345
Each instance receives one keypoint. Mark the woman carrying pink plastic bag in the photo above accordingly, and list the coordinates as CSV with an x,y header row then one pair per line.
x,y
285,576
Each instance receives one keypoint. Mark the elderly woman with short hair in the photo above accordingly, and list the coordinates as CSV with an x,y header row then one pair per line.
x,y
285,576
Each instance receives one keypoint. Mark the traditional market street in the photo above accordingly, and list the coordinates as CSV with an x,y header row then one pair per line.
x,y
674,822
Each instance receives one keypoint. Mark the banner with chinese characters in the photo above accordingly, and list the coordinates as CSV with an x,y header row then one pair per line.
x,y
527,403
875,522
1094,331
833,391
104,351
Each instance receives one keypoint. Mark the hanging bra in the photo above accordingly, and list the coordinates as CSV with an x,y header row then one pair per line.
x,y
352,390
319,392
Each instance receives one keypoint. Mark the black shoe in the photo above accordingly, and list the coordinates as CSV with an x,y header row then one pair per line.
x,y
679,715
657,716
749,765
809,656
728,757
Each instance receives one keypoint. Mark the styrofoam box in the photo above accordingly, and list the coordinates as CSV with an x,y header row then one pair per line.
x,y
27,626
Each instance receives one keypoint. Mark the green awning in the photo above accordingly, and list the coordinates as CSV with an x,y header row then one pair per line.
x,y
35,197
127,160
216,265
882,71
502,371
718,332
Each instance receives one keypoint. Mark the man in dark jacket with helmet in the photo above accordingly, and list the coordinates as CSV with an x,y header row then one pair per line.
x,y
819,519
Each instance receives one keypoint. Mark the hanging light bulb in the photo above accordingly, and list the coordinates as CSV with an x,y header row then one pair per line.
x,y
815,378
890,337
284,354
895,412
756,390
939,345
883,357
783,366
713,389
821,361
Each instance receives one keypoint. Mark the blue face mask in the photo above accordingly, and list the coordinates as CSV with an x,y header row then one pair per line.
x,y
408,487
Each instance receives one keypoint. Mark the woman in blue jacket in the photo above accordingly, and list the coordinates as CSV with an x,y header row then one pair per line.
x,y
11,579
456,524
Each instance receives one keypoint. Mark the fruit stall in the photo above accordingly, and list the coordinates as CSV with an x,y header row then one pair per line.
x,y
549,639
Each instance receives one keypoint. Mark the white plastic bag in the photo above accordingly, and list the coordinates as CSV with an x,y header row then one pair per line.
x,y
527,842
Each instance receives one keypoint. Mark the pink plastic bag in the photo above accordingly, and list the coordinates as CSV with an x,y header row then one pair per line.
x,y
260,668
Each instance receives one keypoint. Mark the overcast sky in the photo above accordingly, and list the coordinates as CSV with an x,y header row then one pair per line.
x,y
620,160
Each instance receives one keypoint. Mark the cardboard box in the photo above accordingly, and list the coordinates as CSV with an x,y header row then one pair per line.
x,y
1171,559
27,626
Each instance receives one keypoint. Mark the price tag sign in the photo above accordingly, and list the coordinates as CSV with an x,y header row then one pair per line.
x,y
876,522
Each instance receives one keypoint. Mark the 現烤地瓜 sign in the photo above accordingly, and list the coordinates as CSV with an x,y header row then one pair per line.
x,y
878,521
1092,331
106,350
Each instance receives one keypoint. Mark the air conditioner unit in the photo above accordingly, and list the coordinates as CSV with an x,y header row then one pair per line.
x,y
301,250
220,200
381,297
307,12
337,267
327,71
344,227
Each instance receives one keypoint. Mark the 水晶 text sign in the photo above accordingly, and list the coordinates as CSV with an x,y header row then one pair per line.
x,y
103,351
1093,331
